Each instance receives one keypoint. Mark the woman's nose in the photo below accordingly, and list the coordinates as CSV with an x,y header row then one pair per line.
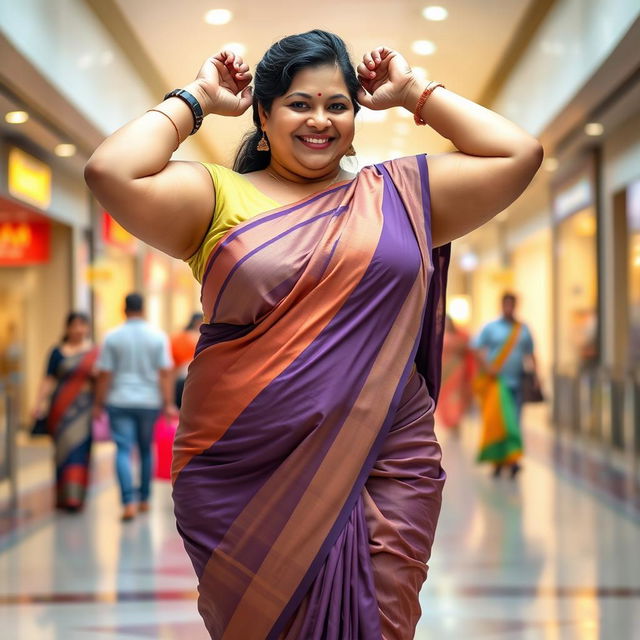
x,y
319,120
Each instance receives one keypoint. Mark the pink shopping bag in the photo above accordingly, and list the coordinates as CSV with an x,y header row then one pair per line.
x,y
164,433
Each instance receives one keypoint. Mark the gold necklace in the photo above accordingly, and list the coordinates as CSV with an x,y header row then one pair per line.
x,y
275,177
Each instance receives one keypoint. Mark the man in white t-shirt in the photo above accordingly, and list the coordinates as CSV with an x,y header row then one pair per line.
x,y
135,384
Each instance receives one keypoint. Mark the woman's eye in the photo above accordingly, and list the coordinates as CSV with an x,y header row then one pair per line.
x,y
338,106
298,105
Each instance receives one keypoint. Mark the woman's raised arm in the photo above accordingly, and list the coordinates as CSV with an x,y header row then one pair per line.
x,y
494,163
495,160
167,204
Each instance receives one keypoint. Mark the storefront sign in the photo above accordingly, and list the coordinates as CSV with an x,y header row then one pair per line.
x,y
24,243
29,178
115,235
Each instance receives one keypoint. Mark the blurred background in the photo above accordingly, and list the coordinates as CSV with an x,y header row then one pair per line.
x,y
552,555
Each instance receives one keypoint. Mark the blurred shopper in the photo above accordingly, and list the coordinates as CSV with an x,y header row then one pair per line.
x,y
457,372
134,377
183,348
306,432
64,403
503,347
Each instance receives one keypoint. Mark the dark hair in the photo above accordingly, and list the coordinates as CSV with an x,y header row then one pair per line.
x,y
71,318
134,303
509,297
195,322
274,74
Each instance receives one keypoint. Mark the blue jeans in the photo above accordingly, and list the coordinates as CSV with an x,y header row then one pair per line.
x,y
131,426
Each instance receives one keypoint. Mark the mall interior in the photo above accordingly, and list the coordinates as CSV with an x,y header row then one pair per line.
x,y
549,554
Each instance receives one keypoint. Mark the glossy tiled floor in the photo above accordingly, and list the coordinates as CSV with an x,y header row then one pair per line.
x,y
539,558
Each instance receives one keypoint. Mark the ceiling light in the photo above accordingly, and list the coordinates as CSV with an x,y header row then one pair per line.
x,y
435,13
459,308
423,47
218,16
468,261
16,117
65,150
593,129
237,47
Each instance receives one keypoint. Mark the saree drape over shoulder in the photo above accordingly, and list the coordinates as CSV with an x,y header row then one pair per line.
x,y
307,477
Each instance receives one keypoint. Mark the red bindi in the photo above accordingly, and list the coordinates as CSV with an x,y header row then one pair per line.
x,y
319,95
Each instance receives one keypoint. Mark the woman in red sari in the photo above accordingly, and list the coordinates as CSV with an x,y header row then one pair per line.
x,y
65,400
457,373
307,477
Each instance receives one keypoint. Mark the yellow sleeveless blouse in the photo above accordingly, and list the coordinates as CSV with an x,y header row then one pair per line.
x,y
237,200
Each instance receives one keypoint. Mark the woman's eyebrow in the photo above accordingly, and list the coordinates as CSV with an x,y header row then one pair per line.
x,y
307,95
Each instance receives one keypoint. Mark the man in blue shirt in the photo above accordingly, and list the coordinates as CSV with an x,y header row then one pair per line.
x,y
135,379
490,344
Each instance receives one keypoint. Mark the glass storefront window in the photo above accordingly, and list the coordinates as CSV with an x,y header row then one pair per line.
x,y
577,292
633,234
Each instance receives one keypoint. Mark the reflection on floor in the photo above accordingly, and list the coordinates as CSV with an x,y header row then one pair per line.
x,y
536,558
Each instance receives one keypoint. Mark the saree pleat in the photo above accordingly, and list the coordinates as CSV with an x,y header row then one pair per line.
x,y
297,426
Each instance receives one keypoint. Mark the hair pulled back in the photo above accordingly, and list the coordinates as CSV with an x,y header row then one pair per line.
x,y
273,77
71,318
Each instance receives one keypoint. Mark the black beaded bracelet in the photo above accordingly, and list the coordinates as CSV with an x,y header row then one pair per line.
x,y
192,103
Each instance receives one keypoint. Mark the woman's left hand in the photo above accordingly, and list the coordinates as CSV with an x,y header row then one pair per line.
x,y
386,78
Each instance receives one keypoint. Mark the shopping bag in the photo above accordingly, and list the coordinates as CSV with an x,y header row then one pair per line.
x,y
164,433
100,428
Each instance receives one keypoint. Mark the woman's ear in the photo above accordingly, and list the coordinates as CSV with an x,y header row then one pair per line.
x,y
262,114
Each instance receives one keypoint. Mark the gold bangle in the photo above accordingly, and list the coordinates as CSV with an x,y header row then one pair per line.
x,y
171,121
417,114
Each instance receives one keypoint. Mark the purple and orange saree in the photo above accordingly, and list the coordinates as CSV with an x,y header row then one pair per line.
x,y
307,477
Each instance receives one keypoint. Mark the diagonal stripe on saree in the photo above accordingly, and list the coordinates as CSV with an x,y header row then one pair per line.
x,y
307,477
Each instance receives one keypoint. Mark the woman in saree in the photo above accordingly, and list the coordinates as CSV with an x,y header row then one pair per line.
x,y
65,400
307,476
457,373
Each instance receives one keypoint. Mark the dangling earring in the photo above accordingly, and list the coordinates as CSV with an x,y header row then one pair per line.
x,y
350,151
263,143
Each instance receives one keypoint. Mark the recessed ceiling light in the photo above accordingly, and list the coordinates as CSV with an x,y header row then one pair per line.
x,y
237,47
423,47
16,117
65,150
218,16
435,13
594,129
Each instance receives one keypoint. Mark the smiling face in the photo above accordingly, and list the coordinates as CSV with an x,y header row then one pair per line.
x,y
311,126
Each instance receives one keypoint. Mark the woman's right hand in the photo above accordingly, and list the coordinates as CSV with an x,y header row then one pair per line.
x,y
222,85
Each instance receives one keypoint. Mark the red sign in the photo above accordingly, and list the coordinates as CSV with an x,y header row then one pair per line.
x,y
115,235
24,243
